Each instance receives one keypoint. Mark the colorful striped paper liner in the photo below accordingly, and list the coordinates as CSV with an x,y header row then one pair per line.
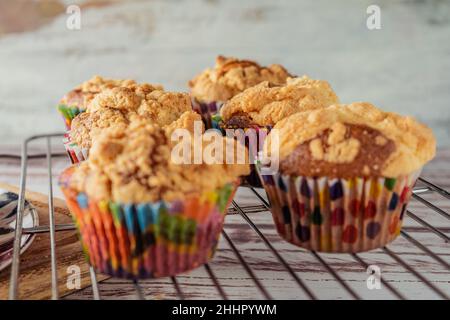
x,y
148,240
74,151
68,113
338,215
207,110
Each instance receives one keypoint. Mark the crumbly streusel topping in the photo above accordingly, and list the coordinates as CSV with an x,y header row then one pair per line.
x,y
231,76
83,94
188,120
120,106
266,104
136,165
88,125
407,143
98,84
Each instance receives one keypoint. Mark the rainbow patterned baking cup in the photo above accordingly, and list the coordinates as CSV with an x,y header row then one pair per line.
x,y
74,151
338,215
148,240
68,113
207,110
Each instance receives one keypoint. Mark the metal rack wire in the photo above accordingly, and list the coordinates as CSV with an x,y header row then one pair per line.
x,y
243,211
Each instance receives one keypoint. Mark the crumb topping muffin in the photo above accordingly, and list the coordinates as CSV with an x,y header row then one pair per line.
x,y
120,106
136,165
86,92
188,120
231,76
265,104
354,140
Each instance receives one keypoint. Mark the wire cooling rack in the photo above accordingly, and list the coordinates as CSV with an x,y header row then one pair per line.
x,y
420,274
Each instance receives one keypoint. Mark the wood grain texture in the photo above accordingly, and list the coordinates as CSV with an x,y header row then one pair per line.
x,y
237,283
35,268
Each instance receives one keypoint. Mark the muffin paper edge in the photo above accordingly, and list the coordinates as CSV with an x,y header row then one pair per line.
x,y
338,215
148,240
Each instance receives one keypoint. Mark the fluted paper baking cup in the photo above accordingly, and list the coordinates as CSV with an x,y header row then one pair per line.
x,y
148,240
338,215
207,110
68,113
74,151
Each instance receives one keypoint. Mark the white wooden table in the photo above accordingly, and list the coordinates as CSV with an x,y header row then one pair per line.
x,y
272,275
403,67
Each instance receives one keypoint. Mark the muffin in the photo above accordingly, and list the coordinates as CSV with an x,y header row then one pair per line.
x,y
76,100
346,174
258,109
140,214
230,76
118,107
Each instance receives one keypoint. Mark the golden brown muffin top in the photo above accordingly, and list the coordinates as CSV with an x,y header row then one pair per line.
x,y
135,165
231,76
352,140
266,104
120,106
188,120
83,94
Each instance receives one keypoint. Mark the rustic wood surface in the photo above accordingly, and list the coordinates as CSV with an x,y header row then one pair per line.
x,y
236,282
35,268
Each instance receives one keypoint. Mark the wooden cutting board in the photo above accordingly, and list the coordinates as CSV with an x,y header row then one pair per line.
x,y
35,268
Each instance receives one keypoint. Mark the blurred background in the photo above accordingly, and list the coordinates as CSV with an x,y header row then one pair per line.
x,y
402,67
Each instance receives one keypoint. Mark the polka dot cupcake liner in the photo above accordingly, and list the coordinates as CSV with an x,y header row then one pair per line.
x,y
338,215
148,240
74,151
207,111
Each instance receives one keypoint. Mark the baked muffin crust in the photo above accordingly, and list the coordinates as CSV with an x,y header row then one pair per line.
x,y
265,104
135,165
231,76
83,94
187,121
89,124
343,157
120,106
352,141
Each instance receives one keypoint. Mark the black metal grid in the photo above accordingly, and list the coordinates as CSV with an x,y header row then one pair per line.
x,y
244,212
